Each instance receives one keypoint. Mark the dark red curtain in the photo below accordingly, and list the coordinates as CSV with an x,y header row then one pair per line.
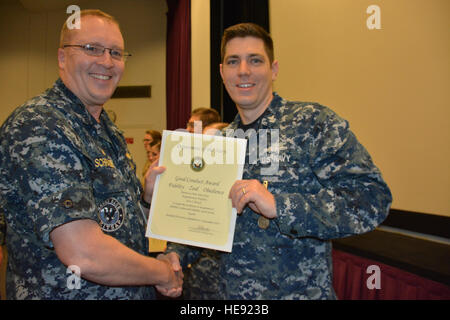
x,y
178,63
350,275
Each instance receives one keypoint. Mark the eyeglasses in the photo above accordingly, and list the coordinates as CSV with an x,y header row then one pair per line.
x,y
98,51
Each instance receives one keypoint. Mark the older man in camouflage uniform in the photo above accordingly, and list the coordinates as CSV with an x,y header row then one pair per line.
x,y
306,180
68,184
2,233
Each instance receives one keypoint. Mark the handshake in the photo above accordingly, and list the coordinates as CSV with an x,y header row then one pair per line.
x,y
173,284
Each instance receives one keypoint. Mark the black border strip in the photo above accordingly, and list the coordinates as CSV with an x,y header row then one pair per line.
x,y
431,224
132,92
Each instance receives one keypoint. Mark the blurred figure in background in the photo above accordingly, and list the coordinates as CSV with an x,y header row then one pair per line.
x,y
215,129
151,137
205,115
155,245
153,154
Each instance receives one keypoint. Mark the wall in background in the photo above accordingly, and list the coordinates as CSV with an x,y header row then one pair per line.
x,y
390,83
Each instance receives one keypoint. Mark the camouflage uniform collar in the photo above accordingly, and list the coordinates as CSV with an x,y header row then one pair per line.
x,y
271,110
107,122
76,106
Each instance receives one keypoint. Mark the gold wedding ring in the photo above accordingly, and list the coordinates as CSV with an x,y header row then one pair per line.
x,y
243,190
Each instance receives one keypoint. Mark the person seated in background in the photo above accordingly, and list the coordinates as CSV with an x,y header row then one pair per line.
x,y
155,245
151,137
215,128
205,115
153,154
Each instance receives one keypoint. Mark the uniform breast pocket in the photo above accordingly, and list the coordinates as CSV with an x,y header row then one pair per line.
x,y
286,177
107,181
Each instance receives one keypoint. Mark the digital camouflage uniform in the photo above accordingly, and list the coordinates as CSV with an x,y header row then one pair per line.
x,y
59,165
2,228
326,187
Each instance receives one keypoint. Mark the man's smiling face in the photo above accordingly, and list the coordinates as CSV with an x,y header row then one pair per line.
x,y
248,74
92,79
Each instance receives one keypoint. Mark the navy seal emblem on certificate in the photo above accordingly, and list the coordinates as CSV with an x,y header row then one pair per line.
x,y
111,215
197,164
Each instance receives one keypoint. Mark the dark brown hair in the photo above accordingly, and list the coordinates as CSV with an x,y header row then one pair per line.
x,y
156,136
206,115
242,30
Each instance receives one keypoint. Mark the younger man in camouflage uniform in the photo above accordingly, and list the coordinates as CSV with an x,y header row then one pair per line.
x,y
310,183
68,185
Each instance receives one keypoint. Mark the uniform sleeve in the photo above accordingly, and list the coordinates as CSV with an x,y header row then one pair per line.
x,y
352,199
187,254
53,186
2,228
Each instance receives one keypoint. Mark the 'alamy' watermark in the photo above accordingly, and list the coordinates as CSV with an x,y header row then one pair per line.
x,y
222,151
73,21
374,20
260,151
74,280
374,281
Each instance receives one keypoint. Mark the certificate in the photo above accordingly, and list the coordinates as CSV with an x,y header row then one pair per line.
x,y
190,203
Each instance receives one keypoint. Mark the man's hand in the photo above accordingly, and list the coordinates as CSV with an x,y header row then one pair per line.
x,y
255,195
175,285
150,178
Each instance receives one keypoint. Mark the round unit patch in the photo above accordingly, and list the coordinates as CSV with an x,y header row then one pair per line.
x,y
111,214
